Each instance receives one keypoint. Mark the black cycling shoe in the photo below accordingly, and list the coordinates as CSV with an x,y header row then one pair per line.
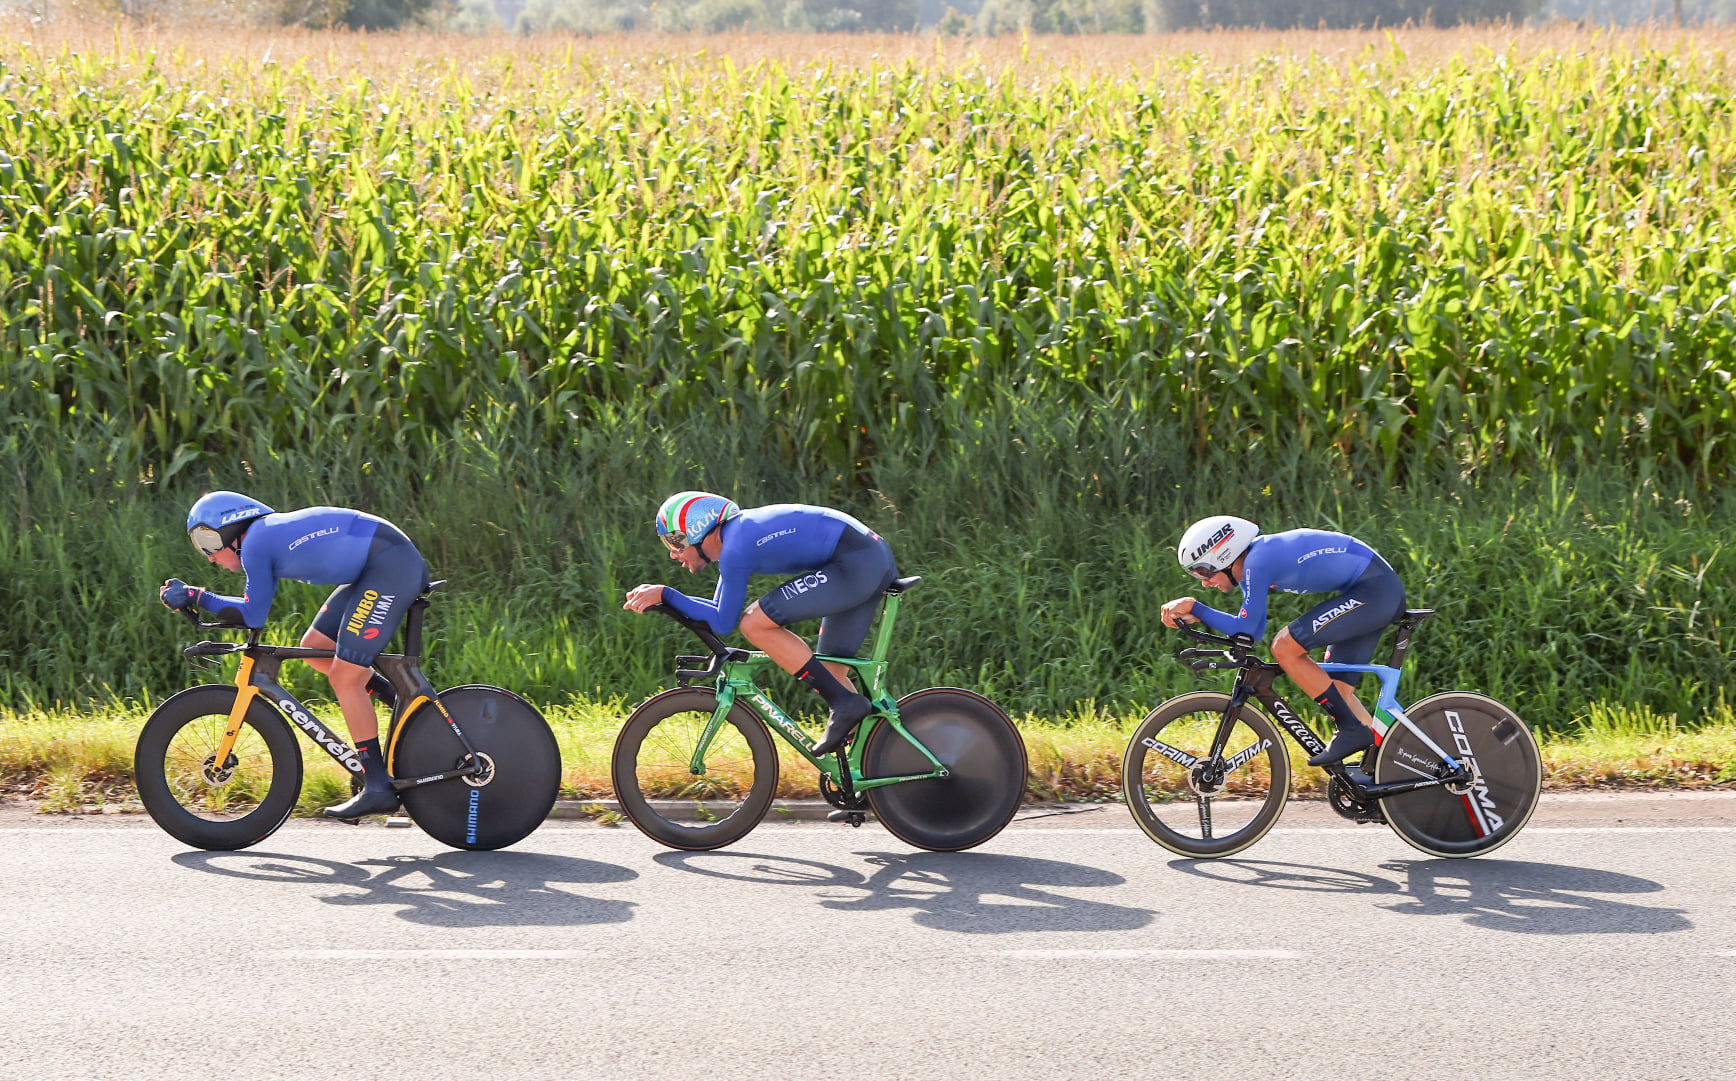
x,y
1345,742
369,801
843,721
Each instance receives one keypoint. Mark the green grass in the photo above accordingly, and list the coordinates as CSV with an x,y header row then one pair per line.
x,y
76,761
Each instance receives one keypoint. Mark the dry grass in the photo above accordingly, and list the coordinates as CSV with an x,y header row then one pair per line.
x,y
645,60
69,761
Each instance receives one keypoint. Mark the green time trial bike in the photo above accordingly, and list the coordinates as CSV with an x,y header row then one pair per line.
x,y
695,768
218,766
1206,774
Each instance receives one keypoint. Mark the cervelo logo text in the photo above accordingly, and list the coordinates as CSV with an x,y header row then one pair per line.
x,y
1222,535
1333,613
1484,807
337,748
801,585
360,615
299,541
1321,552
769,537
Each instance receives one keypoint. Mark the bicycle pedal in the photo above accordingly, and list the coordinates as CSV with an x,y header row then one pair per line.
x,y
397,822
855,818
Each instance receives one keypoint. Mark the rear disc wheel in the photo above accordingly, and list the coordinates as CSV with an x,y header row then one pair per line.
x,y
983,755
521,768
1482,816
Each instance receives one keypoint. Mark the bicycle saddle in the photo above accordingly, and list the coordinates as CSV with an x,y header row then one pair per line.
x,y
1410,617
432,586
899,585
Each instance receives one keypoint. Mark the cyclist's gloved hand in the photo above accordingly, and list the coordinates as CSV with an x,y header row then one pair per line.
x,y
177,594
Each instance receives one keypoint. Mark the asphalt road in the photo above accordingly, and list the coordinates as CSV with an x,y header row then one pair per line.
x,y
1599,944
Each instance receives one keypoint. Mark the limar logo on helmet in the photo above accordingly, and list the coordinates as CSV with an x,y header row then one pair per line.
x,y
1223,534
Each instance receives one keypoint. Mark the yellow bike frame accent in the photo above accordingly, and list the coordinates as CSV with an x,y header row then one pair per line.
x,y
398,730
245,690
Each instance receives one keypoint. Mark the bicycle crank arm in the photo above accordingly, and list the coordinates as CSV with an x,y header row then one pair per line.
x,y
1396,788
432,778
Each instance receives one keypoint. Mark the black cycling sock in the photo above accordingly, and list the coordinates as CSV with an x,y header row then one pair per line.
x,y
820,679
373,766
1332,701
381,687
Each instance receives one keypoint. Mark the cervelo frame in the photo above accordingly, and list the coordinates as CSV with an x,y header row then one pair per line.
x,y
1254,679
733,670
258,672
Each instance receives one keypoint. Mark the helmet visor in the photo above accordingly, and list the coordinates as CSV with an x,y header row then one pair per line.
x,y
207,540
675,542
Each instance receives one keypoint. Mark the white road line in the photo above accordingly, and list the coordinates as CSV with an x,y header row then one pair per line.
x,y
1152,954
1727,953
420,955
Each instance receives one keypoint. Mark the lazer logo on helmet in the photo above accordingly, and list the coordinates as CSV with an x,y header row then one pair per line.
x,y
360,615
1333,613
1223,534
801,585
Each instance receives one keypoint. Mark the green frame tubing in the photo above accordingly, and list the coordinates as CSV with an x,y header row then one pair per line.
x,y
736,683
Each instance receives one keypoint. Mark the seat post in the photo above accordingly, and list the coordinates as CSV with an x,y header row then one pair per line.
x,y
413,628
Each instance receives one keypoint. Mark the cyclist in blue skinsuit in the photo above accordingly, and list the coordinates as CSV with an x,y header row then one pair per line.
x,y
1225,551
378,573
840,569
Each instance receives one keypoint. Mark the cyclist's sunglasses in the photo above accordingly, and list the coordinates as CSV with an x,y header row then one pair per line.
x,y
1205,572
207,540
675,542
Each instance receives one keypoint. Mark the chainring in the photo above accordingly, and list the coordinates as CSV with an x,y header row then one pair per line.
x,y
1338,795
837,797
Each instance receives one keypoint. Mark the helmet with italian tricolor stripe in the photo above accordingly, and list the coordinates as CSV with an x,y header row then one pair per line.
x,y
686,517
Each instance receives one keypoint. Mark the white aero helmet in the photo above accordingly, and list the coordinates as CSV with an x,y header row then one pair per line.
x,y
1212,544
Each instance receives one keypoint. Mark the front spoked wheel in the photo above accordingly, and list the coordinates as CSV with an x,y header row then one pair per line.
x,y
984,757
654,780
1461,820
521,772
1168,784
205,803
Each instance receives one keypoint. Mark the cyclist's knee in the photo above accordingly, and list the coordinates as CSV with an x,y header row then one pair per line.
x,y
1285,647
346,676
754,621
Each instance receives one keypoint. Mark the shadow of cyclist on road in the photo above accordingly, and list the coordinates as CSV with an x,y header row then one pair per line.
x,y
975,894
451,889
1506,895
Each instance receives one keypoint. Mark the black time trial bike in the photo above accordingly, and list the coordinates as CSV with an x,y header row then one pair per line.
x,y
218,766
695,768
1207,774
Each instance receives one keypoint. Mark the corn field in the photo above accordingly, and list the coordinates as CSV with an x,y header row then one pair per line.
x,y
1485,258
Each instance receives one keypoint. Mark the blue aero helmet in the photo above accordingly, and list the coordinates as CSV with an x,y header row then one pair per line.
x,y
686,517
218,518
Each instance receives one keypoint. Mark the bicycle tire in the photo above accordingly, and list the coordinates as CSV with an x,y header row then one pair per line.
x,y
650,766
513,799
981,749
172,770
1505,756
1160,792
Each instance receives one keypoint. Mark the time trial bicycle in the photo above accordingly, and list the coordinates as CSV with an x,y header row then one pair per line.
x,y
694,767
1206,774
218,766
